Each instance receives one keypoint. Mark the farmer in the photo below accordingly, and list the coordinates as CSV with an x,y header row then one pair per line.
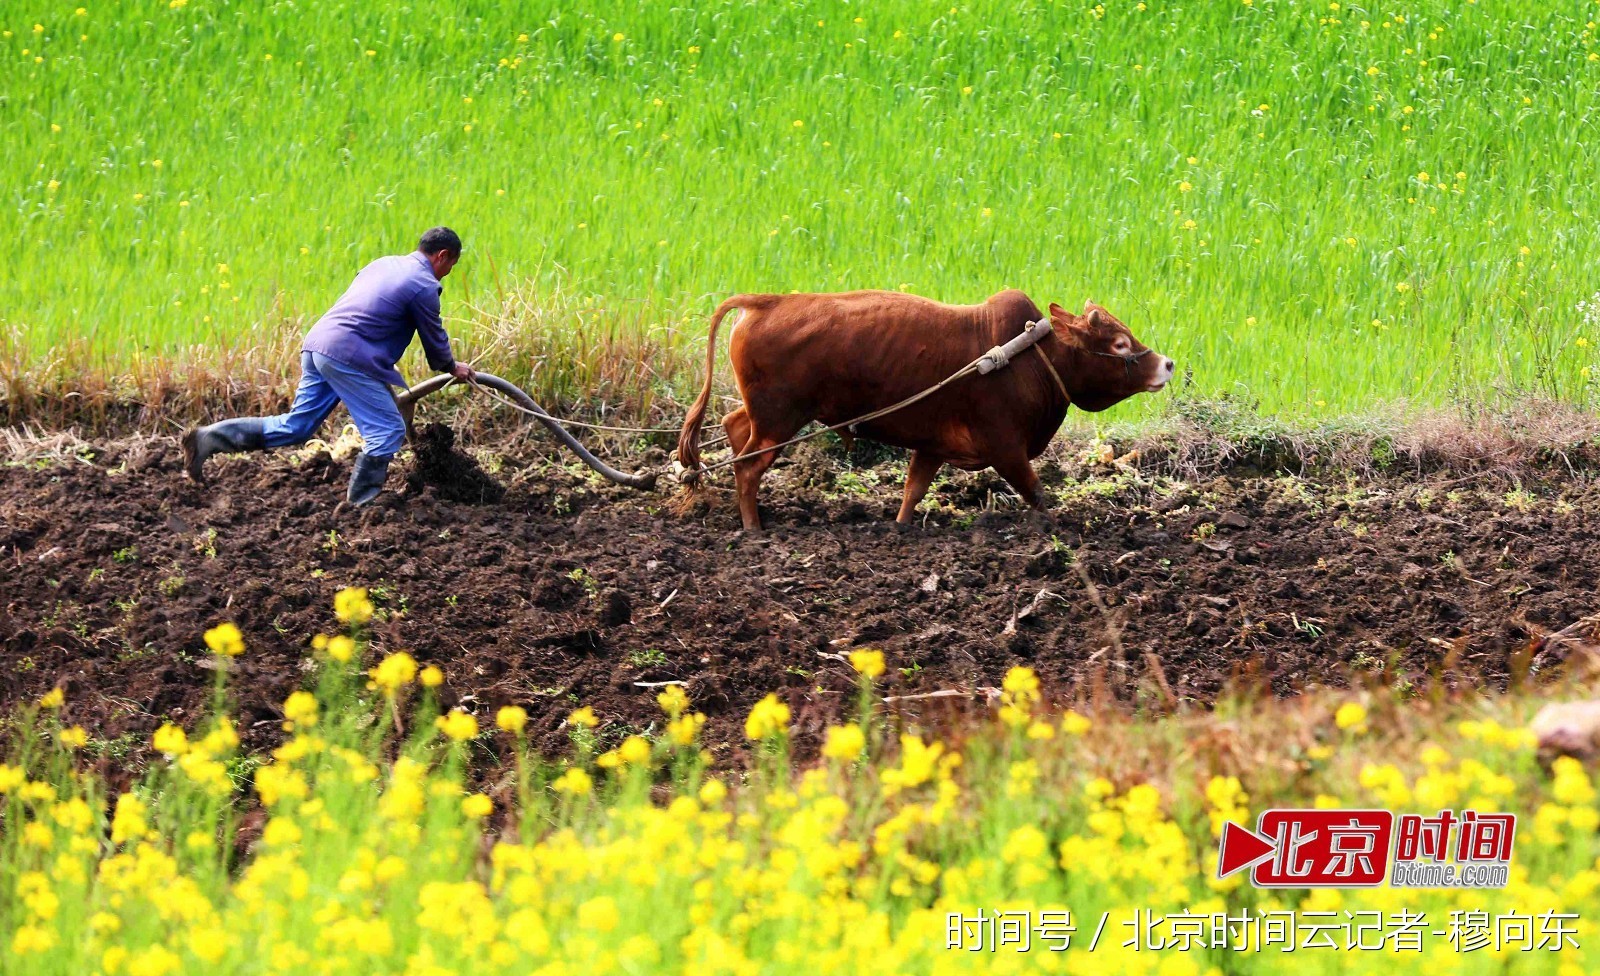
x,y
348,357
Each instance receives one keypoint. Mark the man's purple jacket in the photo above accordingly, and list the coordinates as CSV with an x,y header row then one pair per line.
x,y
371,325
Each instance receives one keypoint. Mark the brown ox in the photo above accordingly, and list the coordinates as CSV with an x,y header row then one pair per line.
x,y
799,358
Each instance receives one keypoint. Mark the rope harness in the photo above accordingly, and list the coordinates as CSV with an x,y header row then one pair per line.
x,y
1128,359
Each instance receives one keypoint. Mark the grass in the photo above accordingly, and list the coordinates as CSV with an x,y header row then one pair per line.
x,y
385,837
1242,182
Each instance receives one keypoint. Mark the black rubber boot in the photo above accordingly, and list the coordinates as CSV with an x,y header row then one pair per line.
x,y
224,437
366,480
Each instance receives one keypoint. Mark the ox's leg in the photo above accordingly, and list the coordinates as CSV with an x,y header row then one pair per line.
x,y
1018,473
747,477
737,426
919,475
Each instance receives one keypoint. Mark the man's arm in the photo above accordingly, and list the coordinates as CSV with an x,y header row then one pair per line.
x,y
430,328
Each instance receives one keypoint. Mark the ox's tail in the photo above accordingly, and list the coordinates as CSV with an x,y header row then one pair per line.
x,y
689,437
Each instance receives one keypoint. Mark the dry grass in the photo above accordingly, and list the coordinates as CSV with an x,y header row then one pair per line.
x,y
1200,438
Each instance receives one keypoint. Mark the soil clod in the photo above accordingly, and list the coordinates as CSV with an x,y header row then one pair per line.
x,y
452,474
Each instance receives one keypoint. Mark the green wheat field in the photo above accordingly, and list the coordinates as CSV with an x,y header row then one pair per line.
x,y
1312,206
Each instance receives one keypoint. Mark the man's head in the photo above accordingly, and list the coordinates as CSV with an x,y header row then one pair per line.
x,y
442,247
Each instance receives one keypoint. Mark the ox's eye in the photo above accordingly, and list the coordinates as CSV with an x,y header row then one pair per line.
x,y
1121,345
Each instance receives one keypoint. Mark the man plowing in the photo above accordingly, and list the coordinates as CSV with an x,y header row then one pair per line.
x,y
349,357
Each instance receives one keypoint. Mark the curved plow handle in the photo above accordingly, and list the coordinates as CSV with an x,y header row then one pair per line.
x,y
408,399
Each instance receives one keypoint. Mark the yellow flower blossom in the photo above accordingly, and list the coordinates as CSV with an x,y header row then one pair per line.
x,y
844,743
300,709
225,640
634,750
1351,716
393,672
170,739
769,718
867,663
574,782
352,606
458,726
511,718
673,700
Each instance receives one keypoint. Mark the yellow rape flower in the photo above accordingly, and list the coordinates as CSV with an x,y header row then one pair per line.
x,y
600,914
225,640
53,699
635,750
866,662
673,700
300,708
712,792
339,647
128,819
155,960
431,677
511,718
1073,723
583,717
844,743
281,832
208,944
394,672
73,737
1351,716
1021,683
352,606
768,718
73,814
573,782
458,726
684,729
477,806
918,760
170,739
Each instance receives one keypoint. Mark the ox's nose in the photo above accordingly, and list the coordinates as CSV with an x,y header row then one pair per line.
x,y
1163,374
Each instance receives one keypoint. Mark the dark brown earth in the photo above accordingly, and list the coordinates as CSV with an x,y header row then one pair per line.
x,y
570,591
454,475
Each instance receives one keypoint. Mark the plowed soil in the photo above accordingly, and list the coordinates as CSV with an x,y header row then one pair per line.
x,y
566,590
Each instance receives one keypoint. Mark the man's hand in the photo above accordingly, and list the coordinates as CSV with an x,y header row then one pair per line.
x,y
463,372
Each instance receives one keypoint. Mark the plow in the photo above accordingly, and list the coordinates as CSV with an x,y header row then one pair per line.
x,y
518,398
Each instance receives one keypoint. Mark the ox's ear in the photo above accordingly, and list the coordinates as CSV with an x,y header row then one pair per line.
x,y
1060,316
1062,319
